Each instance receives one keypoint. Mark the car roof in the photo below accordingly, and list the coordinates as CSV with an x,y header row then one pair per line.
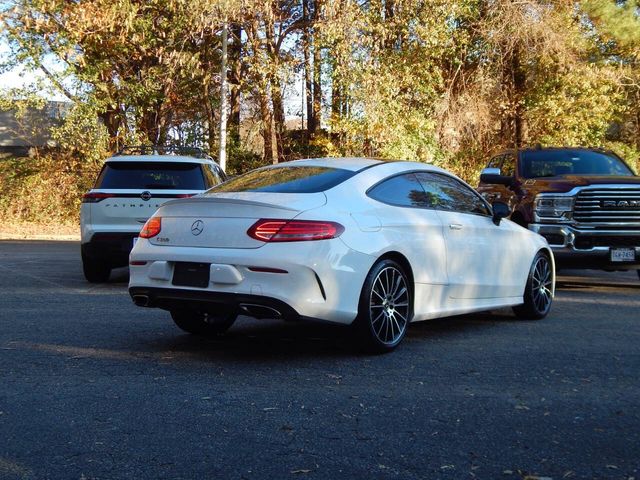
x,y
355,164
159,158
346,163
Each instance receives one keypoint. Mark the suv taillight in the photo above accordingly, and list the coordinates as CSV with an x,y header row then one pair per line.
x,y
151,228
95,197
270,230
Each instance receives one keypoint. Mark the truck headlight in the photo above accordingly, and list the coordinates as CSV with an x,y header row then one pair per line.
x,y
553,207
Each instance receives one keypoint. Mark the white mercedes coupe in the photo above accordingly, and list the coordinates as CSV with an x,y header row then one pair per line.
x,y
373,243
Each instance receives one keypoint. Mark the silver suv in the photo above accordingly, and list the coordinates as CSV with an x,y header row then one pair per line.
x,y
131,186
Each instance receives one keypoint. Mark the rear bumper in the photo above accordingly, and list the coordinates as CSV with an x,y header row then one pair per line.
x,y
173,298
112,247
315,280
577,248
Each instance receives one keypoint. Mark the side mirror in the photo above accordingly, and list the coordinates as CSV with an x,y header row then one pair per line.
x,y
500,210
493,176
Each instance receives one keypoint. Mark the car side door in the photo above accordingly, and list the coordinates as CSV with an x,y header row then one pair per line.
x,y
414,229
475,265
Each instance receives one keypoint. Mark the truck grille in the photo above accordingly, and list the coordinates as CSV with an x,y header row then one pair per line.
x,y
601,206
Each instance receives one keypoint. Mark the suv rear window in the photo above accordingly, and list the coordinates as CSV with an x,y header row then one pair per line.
x,y
553,163
286,180
152,175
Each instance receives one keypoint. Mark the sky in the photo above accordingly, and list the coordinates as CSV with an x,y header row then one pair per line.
x,y
21,77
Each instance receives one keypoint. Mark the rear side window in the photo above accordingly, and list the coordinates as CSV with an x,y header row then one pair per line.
x,y
402,190
286,180
152,175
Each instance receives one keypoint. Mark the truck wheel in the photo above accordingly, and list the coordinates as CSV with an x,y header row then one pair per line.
x,y
538,294
385,308
203,323
95,271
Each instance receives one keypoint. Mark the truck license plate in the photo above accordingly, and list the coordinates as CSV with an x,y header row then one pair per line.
x,y
623,255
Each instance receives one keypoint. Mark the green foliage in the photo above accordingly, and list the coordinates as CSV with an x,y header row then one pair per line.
x,y
241,160
446,82
81,135
44,190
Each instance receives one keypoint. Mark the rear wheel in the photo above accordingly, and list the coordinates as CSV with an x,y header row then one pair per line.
x,y
204,323
538,293
385,307
95,271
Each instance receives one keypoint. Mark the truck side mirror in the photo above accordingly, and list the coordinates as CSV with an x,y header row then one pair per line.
x,y
500,210
494,176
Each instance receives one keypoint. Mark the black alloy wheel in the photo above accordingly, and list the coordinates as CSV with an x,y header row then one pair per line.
x,y
385,308
538,293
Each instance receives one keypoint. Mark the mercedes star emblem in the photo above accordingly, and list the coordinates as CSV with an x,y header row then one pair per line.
x,y
146,195
197,227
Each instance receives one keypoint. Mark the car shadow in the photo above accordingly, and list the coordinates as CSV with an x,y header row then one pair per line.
x,y
252,340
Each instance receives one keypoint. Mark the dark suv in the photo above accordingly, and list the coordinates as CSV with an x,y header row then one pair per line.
x,y
585,202
131,186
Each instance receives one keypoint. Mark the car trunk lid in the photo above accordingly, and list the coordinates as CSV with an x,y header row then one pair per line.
x,y
222,220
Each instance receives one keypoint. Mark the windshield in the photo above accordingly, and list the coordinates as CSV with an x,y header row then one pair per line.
x,y
555,163
289,179
150,175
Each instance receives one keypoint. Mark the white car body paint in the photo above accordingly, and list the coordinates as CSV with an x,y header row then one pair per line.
x,y
460,262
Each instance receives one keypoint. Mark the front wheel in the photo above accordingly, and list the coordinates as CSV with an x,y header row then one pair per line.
x,y
204,323
385,307
538,293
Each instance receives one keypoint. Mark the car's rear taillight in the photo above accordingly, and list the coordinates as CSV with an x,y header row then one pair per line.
x,y
270,230
151,228
95,197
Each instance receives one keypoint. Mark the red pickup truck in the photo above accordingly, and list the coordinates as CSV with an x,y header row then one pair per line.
x,y
584,201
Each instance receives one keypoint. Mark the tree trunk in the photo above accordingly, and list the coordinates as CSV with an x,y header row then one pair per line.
x,y
306,39
317,89
235,69
112,120
208,108
519,91
278,115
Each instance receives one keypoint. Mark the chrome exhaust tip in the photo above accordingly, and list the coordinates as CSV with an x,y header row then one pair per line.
x,y
141,300
259,311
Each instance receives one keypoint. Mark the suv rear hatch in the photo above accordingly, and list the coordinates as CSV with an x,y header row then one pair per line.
x,y
127,193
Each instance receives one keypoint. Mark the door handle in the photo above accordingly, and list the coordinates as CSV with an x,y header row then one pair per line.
x,y
455,226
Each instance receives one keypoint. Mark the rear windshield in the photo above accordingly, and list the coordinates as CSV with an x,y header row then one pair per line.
x,y
151,175
286,180
554,163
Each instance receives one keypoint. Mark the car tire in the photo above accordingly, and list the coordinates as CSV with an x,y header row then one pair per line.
x,y
95,271
385,308
203,323
538,295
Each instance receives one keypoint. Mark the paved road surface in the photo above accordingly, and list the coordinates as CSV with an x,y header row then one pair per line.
x,y
93,387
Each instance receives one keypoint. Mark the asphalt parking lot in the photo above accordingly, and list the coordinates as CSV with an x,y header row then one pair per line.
x,y
96,388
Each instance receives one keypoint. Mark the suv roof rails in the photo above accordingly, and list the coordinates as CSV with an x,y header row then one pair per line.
x,y
196,152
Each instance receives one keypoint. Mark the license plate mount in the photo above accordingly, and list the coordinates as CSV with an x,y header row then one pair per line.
x,y
191,274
